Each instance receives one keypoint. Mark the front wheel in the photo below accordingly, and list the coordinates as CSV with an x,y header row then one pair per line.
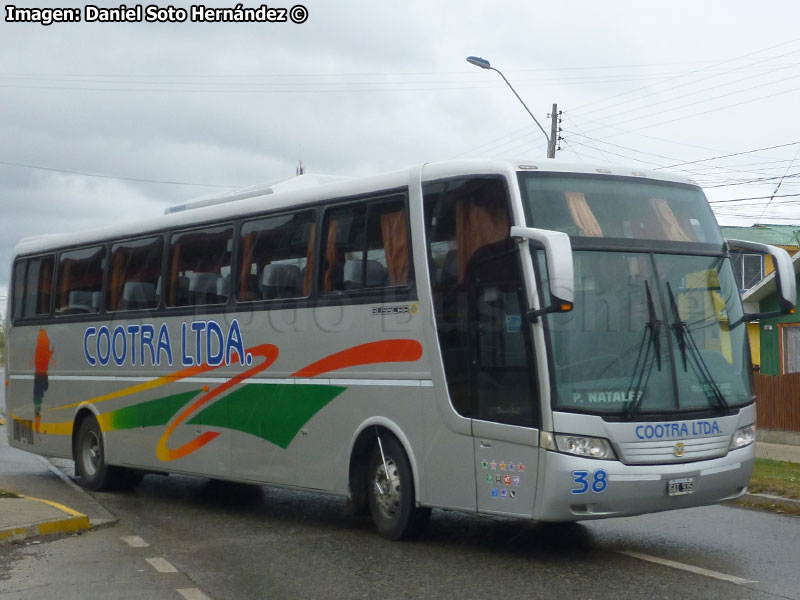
x,y
90,462
392,501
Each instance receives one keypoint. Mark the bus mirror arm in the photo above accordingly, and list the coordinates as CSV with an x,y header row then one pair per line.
x,y
558,255
784,271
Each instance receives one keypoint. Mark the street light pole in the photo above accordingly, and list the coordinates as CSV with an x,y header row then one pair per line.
x,y
485,64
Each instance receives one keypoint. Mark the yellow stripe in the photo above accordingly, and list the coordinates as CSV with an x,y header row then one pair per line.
x,y
63,428
147,385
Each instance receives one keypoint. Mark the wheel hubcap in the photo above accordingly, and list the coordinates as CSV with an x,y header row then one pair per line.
x,y
91,453
386,489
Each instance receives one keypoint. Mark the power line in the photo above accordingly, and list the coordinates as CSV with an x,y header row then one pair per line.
x,y
137,179
614,97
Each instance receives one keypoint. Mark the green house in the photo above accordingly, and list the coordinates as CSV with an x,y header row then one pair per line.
x,y
779,337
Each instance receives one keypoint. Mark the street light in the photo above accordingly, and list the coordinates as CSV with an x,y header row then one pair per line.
x,y
485,64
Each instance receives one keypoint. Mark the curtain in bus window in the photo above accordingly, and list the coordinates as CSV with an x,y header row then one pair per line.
x,y
45,286
117,280
248,243
332,260
308,275
582,215
174,278
672,229
477,225
65,274
395,245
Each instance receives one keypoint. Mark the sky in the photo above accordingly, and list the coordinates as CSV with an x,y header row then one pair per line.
x,y
107,122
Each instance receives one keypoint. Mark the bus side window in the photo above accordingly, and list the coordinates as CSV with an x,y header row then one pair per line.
x,y
135,274
33,283
276,257
79,283
200,266
366,246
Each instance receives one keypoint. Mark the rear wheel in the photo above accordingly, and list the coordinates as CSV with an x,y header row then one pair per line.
x,y
90,463
392,501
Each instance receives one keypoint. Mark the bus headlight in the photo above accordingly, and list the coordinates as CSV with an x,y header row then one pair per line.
x,y
581,445
744,436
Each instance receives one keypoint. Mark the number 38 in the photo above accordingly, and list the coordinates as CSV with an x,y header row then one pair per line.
x,y
598,483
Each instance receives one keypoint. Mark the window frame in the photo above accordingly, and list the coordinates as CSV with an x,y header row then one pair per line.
x,y
12,305
286,211
365,294
107,283
103,277
167,260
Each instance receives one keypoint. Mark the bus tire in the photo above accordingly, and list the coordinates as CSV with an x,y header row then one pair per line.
x,y
90,463
392,501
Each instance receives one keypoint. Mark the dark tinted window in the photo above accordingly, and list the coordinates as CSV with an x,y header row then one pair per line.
x,y
479,301
80,280
276,257
200,266
135,275
33,284
366,245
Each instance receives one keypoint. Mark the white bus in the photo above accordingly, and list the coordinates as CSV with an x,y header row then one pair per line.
x,y
542,340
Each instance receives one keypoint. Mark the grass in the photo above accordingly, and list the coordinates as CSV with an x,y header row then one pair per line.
x,y
776,478
7,494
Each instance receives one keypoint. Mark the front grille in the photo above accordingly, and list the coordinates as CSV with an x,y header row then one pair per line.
x,y
23,430
663,451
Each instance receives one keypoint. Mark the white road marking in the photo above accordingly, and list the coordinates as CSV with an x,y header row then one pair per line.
x,y
193,594
162,565
134,541
690,568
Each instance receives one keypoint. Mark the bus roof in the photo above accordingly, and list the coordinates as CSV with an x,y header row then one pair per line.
x,y
310,188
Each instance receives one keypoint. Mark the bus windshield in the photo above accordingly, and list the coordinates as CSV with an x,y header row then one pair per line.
x,y
621,208
652,332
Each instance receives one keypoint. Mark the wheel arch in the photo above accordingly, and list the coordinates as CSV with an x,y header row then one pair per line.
x,y
81,415
361,444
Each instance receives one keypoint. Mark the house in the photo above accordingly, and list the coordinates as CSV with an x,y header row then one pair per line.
x,y
779,337
751,269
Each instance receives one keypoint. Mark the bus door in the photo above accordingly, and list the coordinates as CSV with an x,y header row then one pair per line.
x,y
479,305
505,411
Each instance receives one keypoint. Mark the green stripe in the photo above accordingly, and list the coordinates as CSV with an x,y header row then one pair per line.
x,y
151,413
274,412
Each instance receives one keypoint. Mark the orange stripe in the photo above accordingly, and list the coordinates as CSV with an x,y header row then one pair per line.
x,y
268,351
366,354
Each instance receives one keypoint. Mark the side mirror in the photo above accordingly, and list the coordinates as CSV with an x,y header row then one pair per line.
x,y
784,272
558,254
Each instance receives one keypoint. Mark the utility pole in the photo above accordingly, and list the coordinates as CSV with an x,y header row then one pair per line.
x,y
551,142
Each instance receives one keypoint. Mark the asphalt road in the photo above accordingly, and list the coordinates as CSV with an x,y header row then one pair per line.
x,y
244,542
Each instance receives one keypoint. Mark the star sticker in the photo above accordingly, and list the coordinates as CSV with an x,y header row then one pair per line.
x,y
494,466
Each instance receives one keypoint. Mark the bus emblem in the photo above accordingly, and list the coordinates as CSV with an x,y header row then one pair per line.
x,y
680,449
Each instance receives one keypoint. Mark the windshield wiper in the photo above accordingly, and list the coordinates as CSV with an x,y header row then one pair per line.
x,y
686,341
644,365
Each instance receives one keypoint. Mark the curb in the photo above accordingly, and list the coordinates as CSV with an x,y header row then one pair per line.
x,y
774,500
75,521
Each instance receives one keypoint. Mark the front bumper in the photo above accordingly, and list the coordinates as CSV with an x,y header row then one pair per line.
x,y
573,488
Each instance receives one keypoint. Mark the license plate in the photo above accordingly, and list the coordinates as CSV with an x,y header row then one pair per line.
x,y
680,487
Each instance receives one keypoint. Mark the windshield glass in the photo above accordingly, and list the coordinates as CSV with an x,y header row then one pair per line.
x,y
650,333
604,206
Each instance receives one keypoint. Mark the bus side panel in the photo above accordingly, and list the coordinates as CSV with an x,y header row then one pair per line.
x,y
32,391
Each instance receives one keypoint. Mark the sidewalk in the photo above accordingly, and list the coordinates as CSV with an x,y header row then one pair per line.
x,y
49,503
781,452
